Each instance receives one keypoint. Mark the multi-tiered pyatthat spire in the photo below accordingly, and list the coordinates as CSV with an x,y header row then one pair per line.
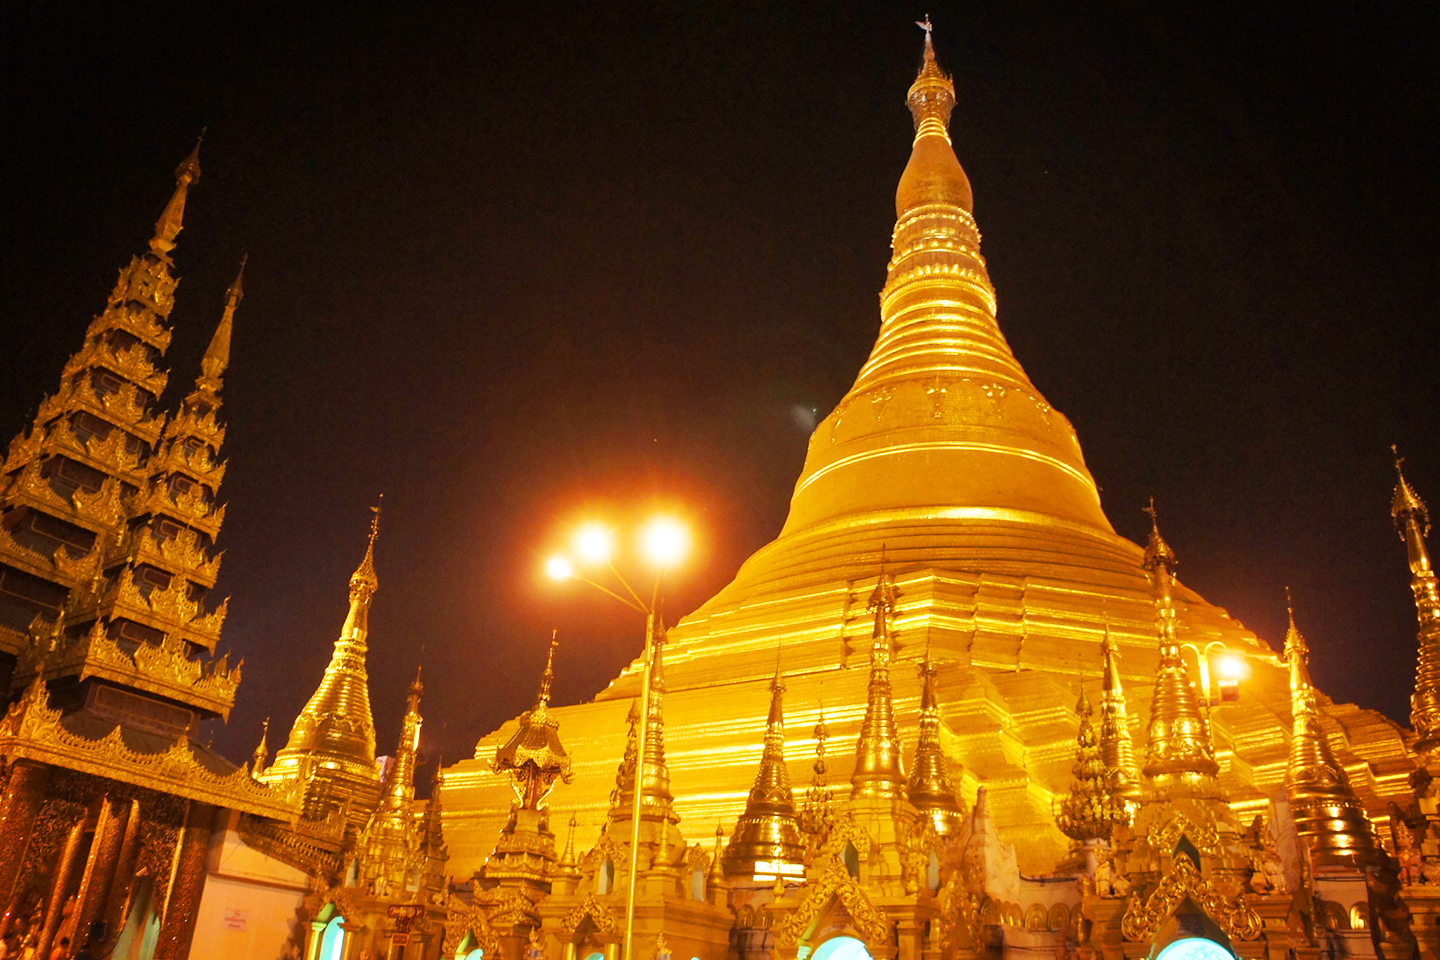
x,y
535,760
1412,522
1177,745
1115,745
766,841
877,751
932,792
1090,811
534,757
331,749
1326,812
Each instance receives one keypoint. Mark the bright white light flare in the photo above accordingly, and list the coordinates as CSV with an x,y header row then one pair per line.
x,y
664,541
558,568
594,543
1232,667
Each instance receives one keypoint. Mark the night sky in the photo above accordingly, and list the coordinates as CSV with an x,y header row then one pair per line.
x,y
515,268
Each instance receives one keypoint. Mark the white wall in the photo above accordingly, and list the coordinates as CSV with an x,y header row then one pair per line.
x,y
251,904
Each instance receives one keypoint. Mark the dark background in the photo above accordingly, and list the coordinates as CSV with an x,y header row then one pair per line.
x,y
518,266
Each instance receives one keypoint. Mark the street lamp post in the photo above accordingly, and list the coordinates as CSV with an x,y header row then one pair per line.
x,y
663,541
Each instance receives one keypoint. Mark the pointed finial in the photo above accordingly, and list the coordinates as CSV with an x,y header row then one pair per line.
x,y
717,870
171,221
364,579
1295,645
548,676
262,749
932,95
217,354
1406,503
1157,551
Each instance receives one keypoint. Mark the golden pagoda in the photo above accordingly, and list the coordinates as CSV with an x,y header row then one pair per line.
x,y
767,839
947,459
931,790
330,753
1327,815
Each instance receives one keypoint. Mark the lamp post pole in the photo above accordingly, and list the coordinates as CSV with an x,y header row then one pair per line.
x,y
562,570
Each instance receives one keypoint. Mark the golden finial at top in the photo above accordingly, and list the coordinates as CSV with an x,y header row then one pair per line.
x,y
1157,551
1407,503
932,95
364,580
217,354
548,677
172,220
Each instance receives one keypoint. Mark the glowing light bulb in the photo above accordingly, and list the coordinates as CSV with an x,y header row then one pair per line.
x,y
558,568
664,541
594,543
1232,667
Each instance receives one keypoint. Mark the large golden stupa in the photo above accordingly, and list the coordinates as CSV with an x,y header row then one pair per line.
x,y
944,465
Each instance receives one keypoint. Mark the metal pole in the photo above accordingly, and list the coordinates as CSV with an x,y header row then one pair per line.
x,y
639,768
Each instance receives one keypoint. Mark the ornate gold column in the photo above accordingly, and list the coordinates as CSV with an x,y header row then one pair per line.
x,y
110,829
19,804
123,873
64,873
179,924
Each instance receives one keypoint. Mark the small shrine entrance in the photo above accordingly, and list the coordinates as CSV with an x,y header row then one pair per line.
x,y
849,948
1194,948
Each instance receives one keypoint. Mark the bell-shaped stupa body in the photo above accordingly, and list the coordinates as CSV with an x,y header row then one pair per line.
x,y
945,460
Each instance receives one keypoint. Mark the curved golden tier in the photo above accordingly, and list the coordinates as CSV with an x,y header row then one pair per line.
x,y
944,459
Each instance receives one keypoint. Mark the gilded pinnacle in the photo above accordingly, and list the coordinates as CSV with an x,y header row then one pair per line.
x,y
931,789
171,221
1178,742
768,829
932,95
1412,520
363,581
1326,812
878,772
217,354
1115,745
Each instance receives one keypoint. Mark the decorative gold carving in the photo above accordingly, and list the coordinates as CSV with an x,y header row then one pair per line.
x,y
132,363
463,918
835,884
190,508
190,423
105,507
1203,835
1141,920
182,553
599,915
846,830
31,729
312,846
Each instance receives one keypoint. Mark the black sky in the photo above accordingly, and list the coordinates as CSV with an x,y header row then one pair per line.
x,y
516,266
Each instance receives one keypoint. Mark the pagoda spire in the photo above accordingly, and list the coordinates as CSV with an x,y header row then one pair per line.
x,y
332,742
1327,814
931,789
533,756
1412,522
1090,811
1178,741
768,831
977,434
877,751
217,354
390,844
1115,745
262,750
656,801
171,221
